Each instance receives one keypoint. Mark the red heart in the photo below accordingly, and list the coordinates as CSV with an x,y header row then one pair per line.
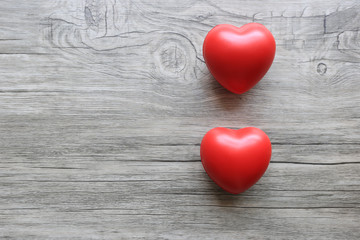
x,y
239,57
235,159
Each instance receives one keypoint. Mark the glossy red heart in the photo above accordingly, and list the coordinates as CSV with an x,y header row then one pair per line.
x,y
238,58
235,159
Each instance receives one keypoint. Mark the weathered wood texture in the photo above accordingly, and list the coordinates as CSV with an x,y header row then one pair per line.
x,y
103,105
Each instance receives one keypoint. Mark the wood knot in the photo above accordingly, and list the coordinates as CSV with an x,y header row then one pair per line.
x,y
174,57
321,68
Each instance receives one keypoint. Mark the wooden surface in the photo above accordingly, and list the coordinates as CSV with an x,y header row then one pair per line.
x,y
103,104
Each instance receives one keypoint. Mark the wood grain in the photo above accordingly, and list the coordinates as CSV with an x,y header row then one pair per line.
x,y
103,104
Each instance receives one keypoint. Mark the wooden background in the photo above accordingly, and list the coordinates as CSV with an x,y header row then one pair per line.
x,y
103,104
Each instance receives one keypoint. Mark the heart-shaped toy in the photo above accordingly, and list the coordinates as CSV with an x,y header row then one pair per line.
x,y
238,58
235,159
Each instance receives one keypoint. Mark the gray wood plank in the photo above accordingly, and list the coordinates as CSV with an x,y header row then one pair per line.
x,y
103,104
